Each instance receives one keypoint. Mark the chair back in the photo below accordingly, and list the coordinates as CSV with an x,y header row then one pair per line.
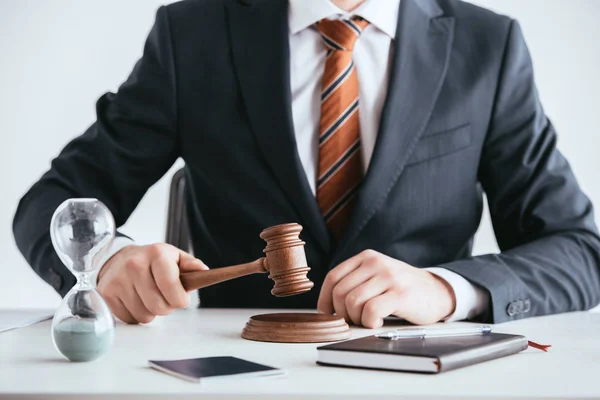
x,y
177,225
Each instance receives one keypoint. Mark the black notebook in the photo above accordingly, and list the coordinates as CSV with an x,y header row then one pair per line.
x,y
215,368
432,355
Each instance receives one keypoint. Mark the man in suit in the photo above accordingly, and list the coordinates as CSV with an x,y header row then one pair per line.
x,y
376,125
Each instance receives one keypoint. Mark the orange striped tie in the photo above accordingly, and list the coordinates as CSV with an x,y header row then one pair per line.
x,y
340,160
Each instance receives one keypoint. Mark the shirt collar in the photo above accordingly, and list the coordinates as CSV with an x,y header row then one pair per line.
x,y
304,13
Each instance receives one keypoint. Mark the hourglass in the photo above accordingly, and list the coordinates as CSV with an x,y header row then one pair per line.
x,y
83,326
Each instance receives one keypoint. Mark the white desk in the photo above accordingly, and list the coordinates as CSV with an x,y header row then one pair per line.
x,y
30,367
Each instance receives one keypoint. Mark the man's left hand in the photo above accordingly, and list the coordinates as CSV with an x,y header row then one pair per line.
x,y
371,286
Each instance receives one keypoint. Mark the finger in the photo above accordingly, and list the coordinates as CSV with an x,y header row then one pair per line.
x,y
188,262
132,301
325,303
119,310
166,275
355,300
150,294
378,308
348,283
126,315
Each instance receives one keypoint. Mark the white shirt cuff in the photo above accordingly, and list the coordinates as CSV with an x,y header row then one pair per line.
x,y
117,245
471,301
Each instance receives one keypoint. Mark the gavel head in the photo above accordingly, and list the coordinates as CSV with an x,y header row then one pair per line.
x,y
286,260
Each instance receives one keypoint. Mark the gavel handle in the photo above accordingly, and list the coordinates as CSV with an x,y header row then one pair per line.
x,y
199,279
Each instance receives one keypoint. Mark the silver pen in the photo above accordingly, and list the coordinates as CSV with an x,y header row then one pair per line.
x,y
422,333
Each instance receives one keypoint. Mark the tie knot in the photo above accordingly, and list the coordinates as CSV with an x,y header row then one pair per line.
x,y
341,34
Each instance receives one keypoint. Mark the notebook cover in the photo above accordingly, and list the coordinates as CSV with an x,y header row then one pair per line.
x,y
450,352
211,367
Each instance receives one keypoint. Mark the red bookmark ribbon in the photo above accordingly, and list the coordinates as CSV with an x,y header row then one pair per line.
x,y
542,347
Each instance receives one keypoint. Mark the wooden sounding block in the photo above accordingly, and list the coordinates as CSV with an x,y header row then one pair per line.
x,y
296,328
285,261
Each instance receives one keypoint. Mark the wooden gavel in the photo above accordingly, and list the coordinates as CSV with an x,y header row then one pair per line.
x,y
285,261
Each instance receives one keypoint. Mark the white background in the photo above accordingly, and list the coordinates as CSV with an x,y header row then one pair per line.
x,y
58,56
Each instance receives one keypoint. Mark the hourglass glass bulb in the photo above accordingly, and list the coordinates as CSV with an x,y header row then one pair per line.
x,y
83,326
81,231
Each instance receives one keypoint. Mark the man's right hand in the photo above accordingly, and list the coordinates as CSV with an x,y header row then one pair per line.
x,y
141,282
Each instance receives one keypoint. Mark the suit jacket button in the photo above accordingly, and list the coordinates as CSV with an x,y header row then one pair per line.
x,y
511,309
526,306
520,306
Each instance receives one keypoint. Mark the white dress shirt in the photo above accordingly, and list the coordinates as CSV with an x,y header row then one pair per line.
x,y
372,58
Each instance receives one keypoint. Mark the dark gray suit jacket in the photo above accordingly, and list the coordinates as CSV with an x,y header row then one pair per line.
x,y
462,117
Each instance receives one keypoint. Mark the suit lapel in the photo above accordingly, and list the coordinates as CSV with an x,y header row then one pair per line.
x,y
260,44
421,53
